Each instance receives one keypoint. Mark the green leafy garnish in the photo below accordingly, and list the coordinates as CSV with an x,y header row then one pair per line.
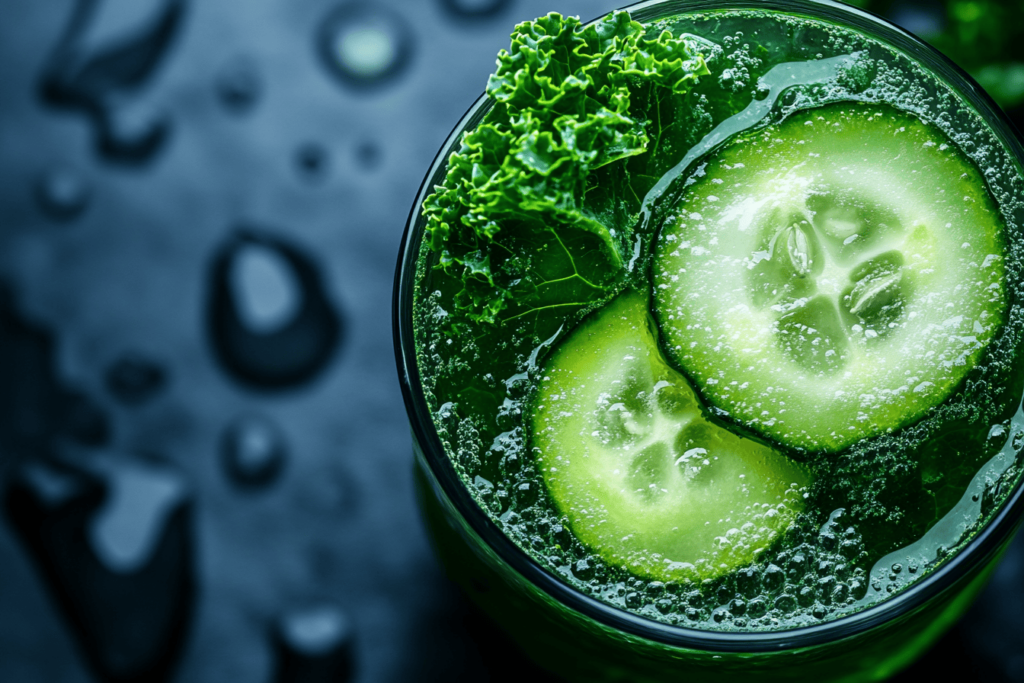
x,y
537,209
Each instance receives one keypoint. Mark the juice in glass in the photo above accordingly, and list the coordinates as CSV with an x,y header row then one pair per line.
x,y
707,320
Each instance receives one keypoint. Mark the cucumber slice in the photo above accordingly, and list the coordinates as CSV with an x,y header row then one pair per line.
x,y
832,277
646,481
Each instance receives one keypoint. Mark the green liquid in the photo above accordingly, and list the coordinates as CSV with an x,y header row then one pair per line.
x,y
881,513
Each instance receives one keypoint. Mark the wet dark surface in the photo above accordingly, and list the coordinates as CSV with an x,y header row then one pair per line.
x,y
204,457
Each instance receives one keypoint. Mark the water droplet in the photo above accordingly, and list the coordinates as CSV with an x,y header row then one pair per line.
x,y
369,155
253,451
267,293
114,546
126,530
62,193
134,379
312,161
314,644
475,9
36,407
239,85
365,45
271,323
108,51
133,134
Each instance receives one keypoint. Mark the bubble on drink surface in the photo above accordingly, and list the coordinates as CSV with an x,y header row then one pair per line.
x,y
740,63
858,74
365,45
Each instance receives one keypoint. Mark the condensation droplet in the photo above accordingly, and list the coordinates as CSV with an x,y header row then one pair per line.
x,y
475,9
239,85
62,193
365,45
106,53
314,644
312,161
267,293
114,545
271,322
134,133
253,451
141,499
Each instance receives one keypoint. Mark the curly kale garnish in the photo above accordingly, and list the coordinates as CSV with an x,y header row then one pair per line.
x,y
537,209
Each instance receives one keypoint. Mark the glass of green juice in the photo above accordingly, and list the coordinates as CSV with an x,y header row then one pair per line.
x,y
708,322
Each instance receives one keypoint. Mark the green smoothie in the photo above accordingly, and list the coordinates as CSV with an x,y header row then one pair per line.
x,y
716,317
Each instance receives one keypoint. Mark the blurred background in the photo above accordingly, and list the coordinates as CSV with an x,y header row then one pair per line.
x,y
205,466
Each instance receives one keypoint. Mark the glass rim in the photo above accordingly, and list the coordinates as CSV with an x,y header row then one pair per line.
x,y
983,547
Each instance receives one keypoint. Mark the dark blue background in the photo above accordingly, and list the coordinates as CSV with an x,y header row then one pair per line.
x,y
123,174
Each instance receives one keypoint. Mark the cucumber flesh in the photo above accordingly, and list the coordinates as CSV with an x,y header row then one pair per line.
x,y
644,478
832,277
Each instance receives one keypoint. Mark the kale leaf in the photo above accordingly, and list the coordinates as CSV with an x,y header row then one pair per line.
x,y
538,206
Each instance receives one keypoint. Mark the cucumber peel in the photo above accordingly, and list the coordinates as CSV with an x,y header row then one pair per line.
x,y
645,479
